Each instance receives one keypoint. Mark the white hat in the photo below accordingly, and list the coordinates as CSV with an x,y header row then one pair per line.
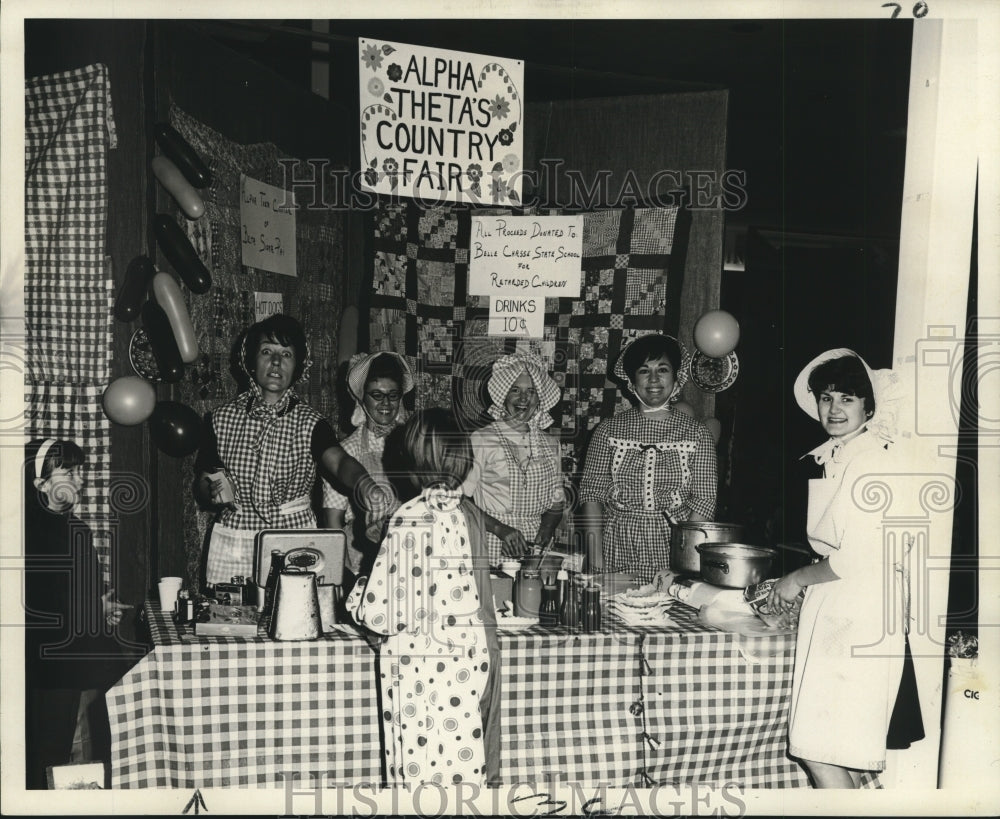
x,y
885,387
357,375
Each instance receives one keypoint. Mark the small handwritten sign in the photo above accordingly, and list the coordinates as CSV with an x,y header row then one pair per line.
x,y
267,304
516,316
267,216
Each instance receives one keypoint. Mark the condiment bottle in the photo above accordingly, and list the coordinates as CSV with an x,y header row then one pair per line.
x,y
548,615
527,593
590,614
562,582
181,613
570,614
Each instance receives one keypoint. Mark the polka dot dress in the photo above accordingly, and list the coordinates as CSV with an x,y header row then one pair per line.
x,y
434,663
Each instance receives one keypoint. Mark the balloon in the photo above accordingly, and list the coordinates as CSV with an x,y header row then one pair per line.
x,y
133,289
129,400
181,254
716,333
715,427
178,187
161,339
168,296
175,428
183,155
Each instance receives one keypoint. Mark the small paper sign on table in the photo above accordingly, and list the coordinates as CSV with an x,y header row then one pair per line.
x,y
518,261
267,217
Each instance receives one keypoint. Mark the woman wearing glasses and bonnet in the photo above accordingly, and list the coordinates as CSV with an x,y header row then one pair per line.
x,y
377,382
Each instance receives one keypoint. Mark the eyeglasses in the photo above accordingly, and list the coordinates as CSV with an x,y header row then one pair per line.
x,y
380,397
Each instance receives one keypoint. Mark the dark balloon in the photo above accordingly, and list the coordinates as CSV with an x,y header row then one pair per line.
x,y
180,253
161,339
183,155
175,428
133,289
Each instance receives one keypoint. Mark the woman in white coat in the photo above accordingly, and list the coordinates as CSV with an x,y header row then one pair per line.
x,y
848,664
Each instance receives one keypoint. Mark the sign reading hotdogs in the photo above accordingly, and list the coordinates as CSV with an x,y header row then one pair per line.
x,y
518,261
440,126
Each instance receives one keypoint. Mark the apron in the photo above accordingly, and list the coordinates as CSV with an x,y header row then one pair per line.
x,y
841,699
530,496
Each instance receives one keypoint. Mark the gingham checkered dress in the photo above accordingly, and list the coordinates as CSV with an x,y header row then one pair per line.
x,y
273,471
514,492
638,469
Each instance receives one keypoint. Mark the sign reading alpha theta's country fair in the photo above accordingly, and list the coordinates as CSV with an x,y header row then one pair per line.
x,y
440,126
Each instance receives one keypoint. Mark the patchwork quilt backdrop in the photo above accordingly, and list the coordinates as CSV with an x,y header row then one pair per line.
x,y
419,307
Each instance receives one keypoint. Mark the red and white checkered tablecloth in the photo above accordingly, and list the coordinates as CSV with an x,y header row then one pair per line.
x,y
244,712
231,712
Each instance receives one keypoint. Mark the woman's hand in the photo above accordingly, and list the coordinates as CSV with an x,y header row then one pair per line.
x,y
514,544
784,593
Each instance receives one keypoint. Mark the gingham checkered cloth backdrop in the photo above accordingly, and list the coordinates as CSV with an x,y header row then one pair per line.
x,y
69,128
314,296
240,712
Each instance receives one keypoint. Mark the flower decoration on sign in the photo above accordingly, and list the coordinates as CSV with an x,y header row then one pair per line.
x,y
499,107
372,57
394,72
506,135
499,190
475,174
497,170
371,174
390,167
511,163
376,87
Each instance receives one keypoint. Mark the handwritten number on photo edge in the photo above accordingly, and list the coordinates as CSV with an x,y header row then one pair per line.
x,y
920,9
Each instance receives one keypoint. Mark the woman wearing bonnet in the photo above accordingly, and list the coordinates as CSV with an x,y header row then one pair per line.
x,y
847,707
377,382
258,466
516,479
647,466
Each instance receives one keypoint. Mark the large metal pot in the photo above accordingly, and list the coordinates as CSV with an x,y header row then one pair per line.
x,y
735,565
686,536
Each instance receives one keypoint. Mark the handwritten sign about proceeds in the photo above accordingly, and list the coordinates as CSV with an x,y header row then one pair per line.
x,y
439,125
518,261
267,216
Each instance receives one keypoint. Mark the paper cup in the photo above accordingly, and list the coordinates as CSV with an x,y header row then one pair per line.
x,y
168,588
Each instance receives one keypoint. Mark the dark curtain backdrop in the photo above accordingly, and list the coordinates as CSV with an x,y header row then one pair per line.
x,y
639,137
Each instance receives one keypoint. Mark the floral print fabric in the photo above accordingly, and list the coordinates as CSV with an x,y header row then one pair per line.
x,y
434,664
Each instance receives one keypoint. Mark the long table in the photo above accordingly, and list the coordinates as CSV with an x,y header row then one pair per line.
x,y
620,707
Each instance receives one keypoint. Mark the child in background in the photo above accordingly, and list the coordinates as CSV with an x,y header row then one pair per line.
x,y
70,645
429,595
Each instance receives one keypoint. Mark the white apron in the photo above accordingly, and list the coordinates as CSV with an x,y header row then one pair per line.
x,y
847,667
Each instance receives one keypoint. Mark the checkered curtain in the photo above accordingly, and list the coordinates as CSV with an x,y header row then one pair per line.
x,y
69,128
419,307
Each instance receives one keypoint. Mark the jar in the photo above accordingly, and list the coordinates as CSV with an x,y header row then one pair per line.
x,y
527,593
